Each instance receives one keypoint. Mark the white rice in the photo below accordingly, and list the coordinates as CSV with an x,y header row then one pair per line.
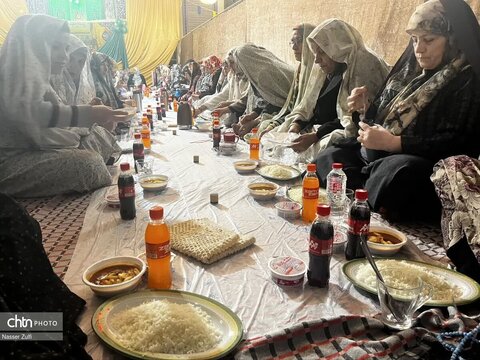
x,y
161,326
277,171
400,273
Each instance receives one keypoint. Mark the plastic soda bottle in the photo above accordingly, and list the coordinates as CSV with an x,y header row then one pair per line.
x,y
310,186
320,248
358,225
147,142
126,193
217,134
150,116
138,149
157,247
336,189
159,111
255,145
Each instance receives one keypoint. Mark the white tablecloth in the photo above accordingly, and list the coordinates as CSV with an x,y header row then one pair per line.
x,y
242,281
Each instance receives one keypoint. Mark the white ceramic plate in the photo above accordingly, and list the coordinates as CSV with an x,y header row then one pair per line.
x,y
470,289
222,317
292,172
294,193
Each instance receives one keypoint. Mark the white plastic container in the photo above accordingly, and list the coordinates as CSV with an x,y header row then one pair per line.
x,y
287,271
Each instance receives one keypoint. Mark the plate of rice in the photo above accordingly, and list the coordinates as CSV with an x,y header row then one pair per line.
x,y
278,172
448,286
167,324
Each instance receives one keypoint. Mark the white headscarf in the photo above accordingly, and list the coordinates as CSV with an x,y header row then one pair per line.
x,y
343,44
86,86
25,69
305,68
270,76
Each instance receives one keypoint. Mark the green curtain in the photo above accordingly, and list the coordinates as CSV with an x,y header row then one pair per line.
x,y
77,9
115,44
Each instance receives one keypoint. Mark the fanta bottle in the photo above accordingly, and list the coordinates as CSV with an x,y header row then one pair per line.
x,y
311,184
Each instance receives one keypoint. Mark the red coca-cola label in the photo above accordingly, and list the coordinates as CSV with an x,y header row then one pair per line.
x,y
145,135
157,251
320,247
138,153
254,146
126,192
358,227
309,193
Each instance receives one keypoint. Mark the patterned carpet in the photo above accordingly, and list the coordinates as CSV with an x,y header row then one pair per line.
x,y
61,219
427,237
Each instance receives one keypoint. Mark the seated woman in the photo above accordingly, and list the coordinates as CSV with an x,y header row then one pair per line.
x,y
344,62
194,72
236,88
207,85
305,58
457,183
270,80
75,84
47,148
102,69
427,110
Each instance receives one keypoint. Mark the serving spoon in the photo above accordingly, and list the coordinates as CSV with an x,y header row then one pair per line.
x,y
368,254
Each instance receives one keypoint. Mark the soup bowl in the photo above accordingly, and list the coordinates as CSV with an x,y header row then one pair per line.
x,y
385,241
127,281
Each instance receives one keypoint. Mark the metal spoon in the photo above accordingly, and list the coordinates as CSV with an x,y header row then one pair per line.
x,y
368,254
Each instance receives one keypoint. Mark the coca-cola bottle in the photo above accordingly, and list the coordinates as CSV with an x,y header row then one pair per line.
x,y
217,135
320,248
138,150
126,193
358,225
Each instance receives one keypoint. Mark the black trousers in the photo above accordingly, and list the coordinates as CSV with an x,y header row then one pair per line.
x,y
398,185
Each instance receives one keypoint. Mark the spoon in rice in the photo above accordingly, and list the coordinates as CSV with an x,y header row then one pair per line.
x,y
368,254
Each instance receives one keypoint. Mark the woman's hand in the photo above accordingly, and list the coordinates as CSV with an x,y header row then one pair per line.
x,y
244,119
198,111
294,128
303,142
106,117
222,110
377,137
266,130
246,127
358,100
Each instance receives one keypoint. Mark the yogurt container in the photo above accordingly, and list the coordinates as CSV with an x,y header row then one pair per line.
x,y
287,271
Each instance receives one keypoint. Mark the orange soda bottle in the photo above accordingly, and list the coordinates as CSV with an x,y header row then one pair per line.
x,y
175,105
157,246
311,184
255,145
147,142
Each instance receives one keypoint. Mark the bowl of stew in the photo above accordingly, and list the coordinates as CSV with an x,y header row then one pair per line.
x,y
385,241
115,275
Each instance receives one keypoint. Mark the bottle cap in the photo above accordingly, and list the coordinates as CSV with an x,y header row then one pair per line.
x,y
323,210
125,166
337,166
216,122
361,194
311,167
149,106
156,213
254,130
145,121
137,136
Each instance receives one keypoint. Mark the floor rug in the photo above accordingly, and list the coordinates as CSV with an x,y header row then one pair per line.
x,y
61,219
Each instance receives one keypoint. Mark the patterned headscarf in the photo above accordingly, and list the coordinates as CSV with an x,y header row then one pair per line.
x,y
420,91
104,81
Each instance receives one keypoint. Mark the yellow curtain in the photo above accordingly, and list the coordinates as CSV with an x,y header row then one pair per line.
x,y
9,11
153,33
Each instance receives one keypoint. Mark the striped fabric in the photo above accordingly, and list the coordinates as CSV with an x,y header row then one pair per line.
x,y
356,337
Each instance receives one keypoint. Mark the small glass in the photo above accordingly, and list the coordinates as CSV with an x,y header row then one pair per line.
x,y
401,301
144,167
